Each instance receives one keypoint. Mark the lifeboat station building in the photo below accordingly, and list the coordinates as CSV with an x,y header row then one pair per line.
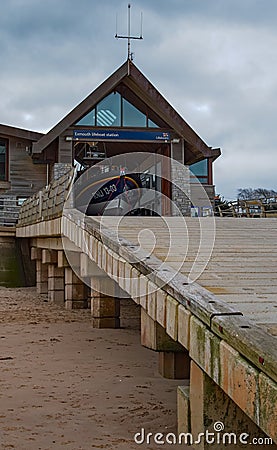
x,y
125,114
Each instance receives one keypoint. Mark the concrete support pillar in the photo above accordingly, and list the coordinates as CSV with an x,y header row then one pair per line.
x,y
36,253
203,408
183,409
105,309
49,256
129,314
154,336
174,360
76,292
55,284
41,277
61,259
174,365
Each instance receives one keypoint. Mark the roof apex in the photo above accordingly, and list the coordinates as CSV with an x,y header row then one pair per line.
x,y
136,81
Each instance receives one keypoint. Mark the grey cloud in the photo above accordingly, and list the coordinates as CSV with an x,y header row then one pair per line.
x,y
259,12
215,62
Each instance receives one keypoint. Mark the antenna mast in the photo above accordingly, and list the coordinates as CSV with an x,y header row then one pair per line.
x,y
129,37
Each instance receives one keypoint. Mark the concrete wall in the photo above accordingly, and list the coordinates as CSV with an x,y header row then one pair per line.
x,y
16,269
11,273
181,188
60,169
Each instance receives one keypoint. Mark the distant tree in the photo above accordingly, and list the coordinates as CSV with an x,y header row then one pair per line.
x,y
257,193
266,193
245,193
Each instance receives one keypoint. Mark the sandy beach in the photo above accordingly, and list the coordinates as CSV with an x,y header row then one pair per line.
x,y
65,385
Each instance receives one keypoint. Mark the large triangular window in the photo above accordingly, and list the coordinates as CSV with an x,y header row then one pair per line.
x,y
132,117
89,119
115,111
108,111
105,114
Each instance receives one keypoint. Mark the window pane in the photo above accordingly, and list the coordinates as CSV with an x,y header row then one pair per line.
x,y
108,111
3,155
89,119
152,124
132,117
203,180
200,168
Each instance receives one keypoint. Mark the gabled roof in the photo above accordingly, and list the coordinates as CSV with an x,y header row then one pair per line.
x,y
132,77
21,133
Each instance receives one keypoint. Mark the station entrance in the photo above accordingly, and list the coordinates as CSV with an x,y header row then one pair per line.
x,y
122,178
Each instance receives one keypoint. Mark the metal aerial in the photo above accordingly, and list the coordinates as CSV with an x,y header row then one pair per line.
x,y
129,37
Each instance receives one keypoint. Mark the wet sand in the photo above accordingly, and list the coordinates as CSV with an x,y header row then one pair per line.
x,y
65,385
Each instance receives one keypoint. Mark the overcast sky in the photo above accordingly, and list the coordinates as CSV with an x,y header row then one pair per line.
x,y
215,61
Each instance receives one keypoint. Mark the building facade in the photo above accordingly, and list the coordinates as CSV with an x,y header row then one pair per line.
x,y
125,114
20,177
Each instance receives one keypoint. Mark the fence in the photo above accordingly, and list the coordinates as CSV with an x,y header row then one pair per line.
x,y
247,208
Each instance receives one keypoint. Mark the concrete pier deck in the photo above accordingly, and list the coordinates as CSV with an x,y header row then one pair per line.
x,y
241,266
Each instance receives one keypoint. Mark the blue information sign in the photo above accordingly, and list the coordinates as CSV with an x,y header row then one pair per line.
x,y
121,135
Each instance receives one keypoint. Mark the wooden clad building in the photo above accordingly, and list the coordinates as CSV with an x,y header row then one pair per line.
x,y
125,114
20,177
